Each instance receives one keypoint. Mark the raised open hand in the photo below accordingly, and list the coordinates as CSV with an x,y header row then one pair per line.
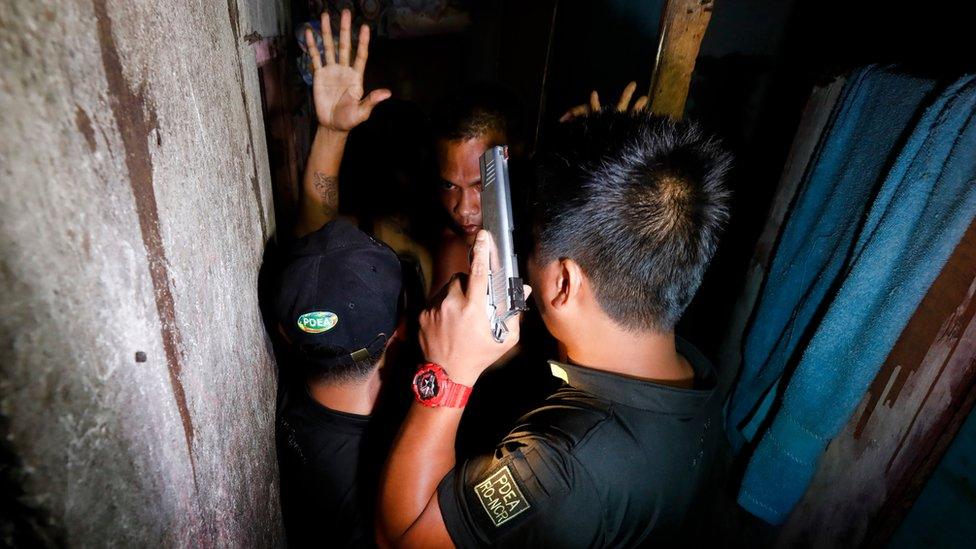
x,y
337,86
594,104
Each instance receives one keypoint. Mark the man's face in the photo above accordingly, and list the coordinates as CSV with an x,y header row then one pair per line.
x,y
459,188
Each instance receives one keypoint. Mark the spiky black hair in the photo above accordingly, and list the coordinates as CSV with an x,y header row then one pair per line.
x,y
639,203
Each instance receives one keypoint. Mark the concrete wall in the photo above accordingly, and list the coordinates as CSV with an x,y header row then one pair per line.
x,y
136,383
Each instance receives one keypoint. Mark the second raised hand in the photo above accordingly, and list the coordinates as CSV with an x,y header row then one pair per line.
x,y
594,105
337,86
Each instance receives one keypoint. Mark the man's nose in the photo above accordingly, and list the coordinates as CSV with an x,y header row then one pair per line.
x,y
470,202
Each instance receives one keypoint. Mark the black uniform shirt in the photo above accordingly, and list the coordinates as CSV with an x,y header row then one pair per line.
x,y
607,461
329,468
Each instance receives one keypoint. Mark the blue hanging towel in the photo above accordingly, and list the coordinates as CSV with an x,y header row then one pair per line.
x,y
915,220
873,114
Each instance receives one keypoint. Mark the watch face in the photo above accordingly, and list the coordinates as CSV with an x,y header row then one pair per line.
x,y
427,386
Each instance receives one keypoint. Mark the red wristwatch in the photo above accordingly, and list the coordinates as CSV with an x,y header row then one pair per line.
x,y
432,387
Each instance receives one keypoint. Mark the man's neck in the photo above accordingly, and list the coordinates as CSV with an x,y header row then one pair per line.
x,y
645,355
352,397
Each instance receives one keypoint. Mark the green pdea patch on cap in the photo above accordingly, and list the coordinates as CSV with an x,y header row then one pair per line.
x,y
317,322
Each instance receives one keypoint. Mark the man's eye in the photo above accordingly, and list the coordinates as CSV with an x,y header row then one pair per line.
x,y
447,185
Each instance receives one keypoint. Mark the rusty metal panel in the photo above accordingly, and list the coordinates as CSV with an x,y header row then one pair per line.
x,y
875,468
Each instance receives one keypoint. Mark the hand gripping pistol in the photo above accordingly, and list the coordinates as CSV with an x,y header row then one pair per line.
x,y
506,297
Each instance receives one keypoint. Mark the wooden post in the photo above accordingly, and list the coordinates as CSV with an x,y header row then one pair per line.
x,y
683,25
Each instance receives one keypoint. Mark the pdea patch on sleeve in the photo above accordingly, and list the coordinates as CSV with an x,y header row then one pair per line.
x,y
501,497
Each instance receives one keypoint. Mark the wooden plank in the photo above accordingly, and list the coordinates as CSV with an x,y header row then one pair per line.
x,y
683,25
871,473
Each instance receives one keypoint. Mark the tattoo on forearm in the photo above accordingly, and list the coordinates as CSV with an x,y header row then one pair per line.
x,y
327,187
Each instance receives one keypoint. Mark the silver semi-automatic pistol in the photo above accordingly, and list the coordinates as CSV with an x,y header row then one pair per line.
x,y
506,297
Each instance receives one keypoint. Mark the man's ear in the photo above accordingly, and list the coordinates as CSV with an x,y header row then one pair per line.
x,y
569,280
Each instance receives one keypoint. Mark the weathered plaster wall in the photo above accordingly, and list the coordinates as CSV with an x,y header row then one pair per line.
x,y
136,383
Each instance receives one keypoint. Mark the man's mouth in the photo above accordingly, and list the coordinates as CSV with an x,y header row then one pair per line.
x,y
470,228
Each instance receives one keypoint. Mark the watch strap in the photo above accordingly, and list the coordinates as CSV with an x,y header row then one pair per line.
x,y
455,395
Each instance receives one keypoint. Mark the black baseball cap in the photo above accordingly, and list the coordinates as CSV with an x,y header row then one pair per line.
x,y
338,295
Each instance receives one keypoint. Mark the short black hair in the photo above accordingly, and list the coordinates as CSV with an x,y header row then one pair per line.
x,y
477,110
638,202
348,370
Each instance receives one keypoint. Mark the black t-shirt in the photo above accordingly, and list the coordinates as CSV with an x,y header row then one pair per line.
x,y
607,461
329,462
522,384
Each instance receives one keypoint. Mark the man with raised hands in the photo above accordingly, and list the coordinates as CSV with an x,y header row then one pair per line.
x,y
337,90
336,308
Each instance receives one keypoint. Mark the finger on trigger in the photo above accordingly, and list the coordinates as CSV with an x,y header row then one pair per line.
x,y
313,50
625,97
594,101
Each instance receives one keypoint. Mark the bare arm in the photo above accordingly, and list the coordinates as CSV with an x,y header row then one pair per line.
x,y
409,514
454,334
337,89
320,187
